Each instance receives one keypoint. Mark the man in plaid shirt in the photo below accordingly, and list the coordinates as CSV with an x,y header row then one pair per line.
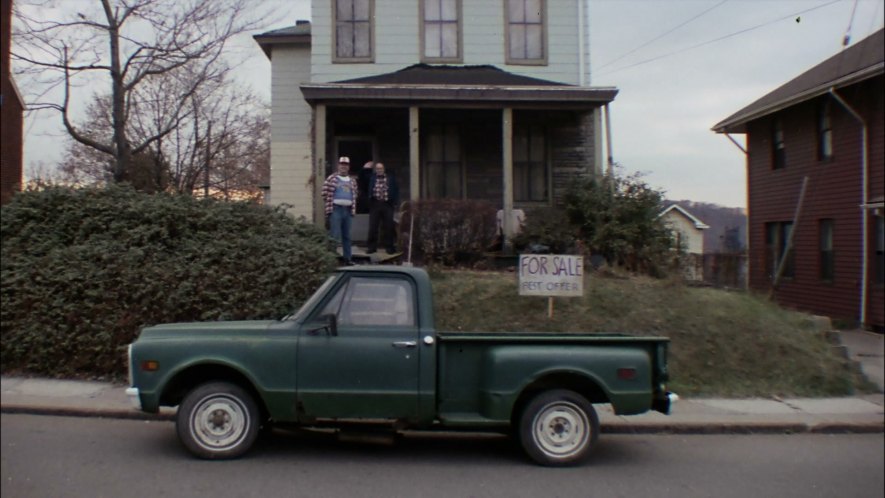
x,y
383,197
339,194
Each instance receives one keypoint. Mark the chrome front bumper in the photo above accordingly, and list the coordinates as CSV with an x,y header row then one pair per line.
x,y
134,397
665,403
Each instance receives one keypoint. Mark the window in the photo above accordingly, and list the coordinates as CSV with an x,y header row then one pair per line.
x,y
824,133
441,39
354,29
827,255
778,150
526,36
373,301
444,173
776,236
880,250
529,164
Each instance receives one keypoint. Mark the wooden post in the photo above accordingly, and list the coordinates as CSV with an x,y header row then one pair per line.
x,y
319,168
507,176
550,307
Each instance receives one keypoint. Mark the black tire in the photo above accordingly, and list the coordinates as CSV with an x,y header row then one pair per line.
x,y
558,428
218,420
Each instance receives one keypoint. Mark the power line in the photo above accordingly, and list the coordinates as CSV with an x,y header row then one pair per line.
x,y
746,30
662,35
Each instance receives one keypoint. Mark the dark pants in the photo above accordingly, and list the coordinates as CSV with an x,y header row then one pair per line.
x,y
381,213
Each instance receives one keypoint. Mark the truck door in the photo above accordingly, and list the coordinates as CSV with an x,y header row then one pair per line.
x,y
369,368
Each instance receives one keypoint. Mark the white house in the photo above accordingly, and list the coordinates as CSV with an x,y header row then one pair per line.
x,y
689,232
460,99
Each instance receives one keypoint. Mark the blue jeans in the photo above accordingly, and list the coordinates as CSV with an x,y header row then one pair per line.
x,y
339,227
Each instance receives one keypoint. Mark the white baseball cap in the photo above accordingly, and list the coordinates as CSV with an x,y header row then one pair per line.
x,y
344,159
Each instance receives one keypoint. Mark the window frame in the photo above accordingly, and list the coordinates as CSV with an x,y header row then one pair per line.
x,y
778,145
824,130
339,59
422,26
826,249
427,160
529,163
776,235
545,50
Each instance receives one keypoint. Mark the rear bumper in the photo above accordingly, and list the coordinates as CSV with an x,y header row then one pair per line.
x,y
665,403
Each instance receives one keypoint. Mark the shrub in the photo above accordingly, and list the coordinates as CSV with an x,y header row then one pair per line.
x,y
451,231
82,270
618,219
547,227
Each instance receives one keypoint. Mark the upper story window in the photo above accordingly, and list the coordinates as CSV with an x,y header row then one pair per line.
x,y
526,34
778,148
824,132
354,30
441,26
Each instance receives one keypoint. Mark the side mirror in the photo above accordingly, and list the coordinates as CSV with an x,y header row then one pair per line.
x,y
330,327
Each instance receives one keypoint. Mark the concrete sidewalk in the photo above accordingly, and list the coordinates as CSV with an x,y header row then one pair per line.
x,y
859,414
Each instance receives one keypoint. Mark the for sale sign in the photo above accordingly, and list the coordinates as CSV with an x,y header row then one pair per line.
x,y
551,275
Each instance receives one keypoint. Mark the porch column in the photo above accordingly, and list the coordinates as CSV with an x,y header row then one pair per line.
x,y
414,156
319,169
507,160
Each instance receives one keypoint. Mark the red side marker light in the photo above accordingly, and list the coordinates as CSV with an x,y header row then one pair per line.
x,y
626,373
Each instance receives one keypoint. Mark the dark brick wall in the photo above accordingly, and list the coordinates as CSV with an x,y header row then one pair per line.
x,y
10,115
834,192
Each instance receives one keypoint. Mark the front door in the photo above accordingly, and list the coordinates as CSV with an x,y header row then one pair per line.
x,y
369,370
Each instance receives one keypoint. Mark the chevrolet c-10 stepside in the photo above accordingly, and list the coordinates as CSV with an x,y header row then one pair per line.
x,y
363,352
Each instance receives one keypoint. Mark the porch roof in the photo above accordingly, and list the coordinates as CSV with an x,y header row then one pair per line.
x,y
860,62
486,85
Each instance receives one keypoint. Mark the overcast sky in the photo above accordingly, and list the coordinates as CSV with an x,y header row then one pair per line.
x,y
681,66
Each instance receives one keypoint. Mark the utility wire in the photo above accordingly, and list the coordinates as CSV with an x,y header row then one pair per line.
x,y
847,38
609,63
676,52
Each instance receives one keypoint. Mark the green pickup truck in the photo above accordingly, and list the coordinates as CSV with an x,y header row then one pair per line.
x,y
363,353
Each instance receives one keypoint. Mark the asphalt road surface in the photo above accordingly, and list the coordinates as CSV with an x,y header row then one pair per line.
x,y
47,456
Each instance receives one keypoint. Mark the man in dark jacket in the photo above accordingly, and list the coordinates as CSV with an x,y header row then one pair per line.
x,y
383,198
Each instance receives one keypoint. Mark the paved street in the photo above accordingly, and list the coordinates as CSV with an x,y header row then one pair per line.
x,y
63,456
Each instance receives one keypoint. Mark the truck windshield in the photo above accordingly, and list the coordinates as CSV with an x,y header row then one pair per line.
x,y
312,301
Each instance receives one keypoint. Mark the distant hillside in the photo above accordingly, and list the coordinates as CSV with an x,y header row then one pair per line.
x,y
728,226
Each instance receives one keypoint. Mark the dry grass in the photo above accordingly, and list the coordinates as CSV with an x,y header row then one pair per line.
x,y
723,343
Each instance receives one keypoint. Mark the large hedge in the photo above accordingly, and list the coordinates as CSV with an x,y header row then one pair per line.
x,y
82,270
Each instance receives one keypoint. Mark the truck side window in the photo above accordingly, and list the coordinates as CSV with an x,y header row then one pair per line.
x,y
374,301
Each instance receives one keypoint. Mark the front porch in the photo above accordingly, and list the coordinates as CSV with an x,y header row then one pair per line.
x,y
445,132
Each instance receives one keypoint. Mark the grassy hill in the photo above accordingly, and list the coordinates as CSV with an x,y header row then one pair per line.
x,y
723,343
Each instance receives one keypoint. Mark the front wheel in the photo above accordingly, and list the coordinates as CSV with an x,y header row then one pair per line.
x,y
558,427
218,420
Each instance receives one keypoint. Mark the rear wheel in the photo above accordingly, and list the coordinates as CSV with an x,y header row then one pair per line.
x,y
558,427
218,420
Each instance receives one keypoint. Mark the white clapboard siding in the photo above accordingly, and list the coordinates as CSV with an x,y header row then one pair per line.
x,y
290,131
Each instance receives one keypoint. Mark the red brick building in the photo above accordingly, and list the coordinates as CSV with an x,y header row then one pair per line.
x,y
815,181
11,109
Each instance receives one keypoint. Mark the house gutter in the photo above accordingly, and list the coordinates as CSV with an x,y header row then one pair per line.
x,y
864,284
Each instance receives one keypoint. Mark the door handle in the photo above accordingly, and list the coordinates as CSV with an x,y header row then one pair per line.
x,y
405,344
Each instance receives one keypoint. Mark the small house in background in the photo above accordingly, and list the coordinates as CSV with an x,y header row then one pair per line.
x,y
459,99
689,232
815,184
12,107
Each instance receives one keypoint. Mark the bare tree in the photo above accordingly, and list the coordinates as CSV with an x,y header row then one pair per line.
x,y
220,148
129,45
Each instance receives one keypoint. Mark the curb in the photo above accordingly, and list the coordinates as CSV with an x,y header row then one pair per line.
x,y
86,413
619,428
